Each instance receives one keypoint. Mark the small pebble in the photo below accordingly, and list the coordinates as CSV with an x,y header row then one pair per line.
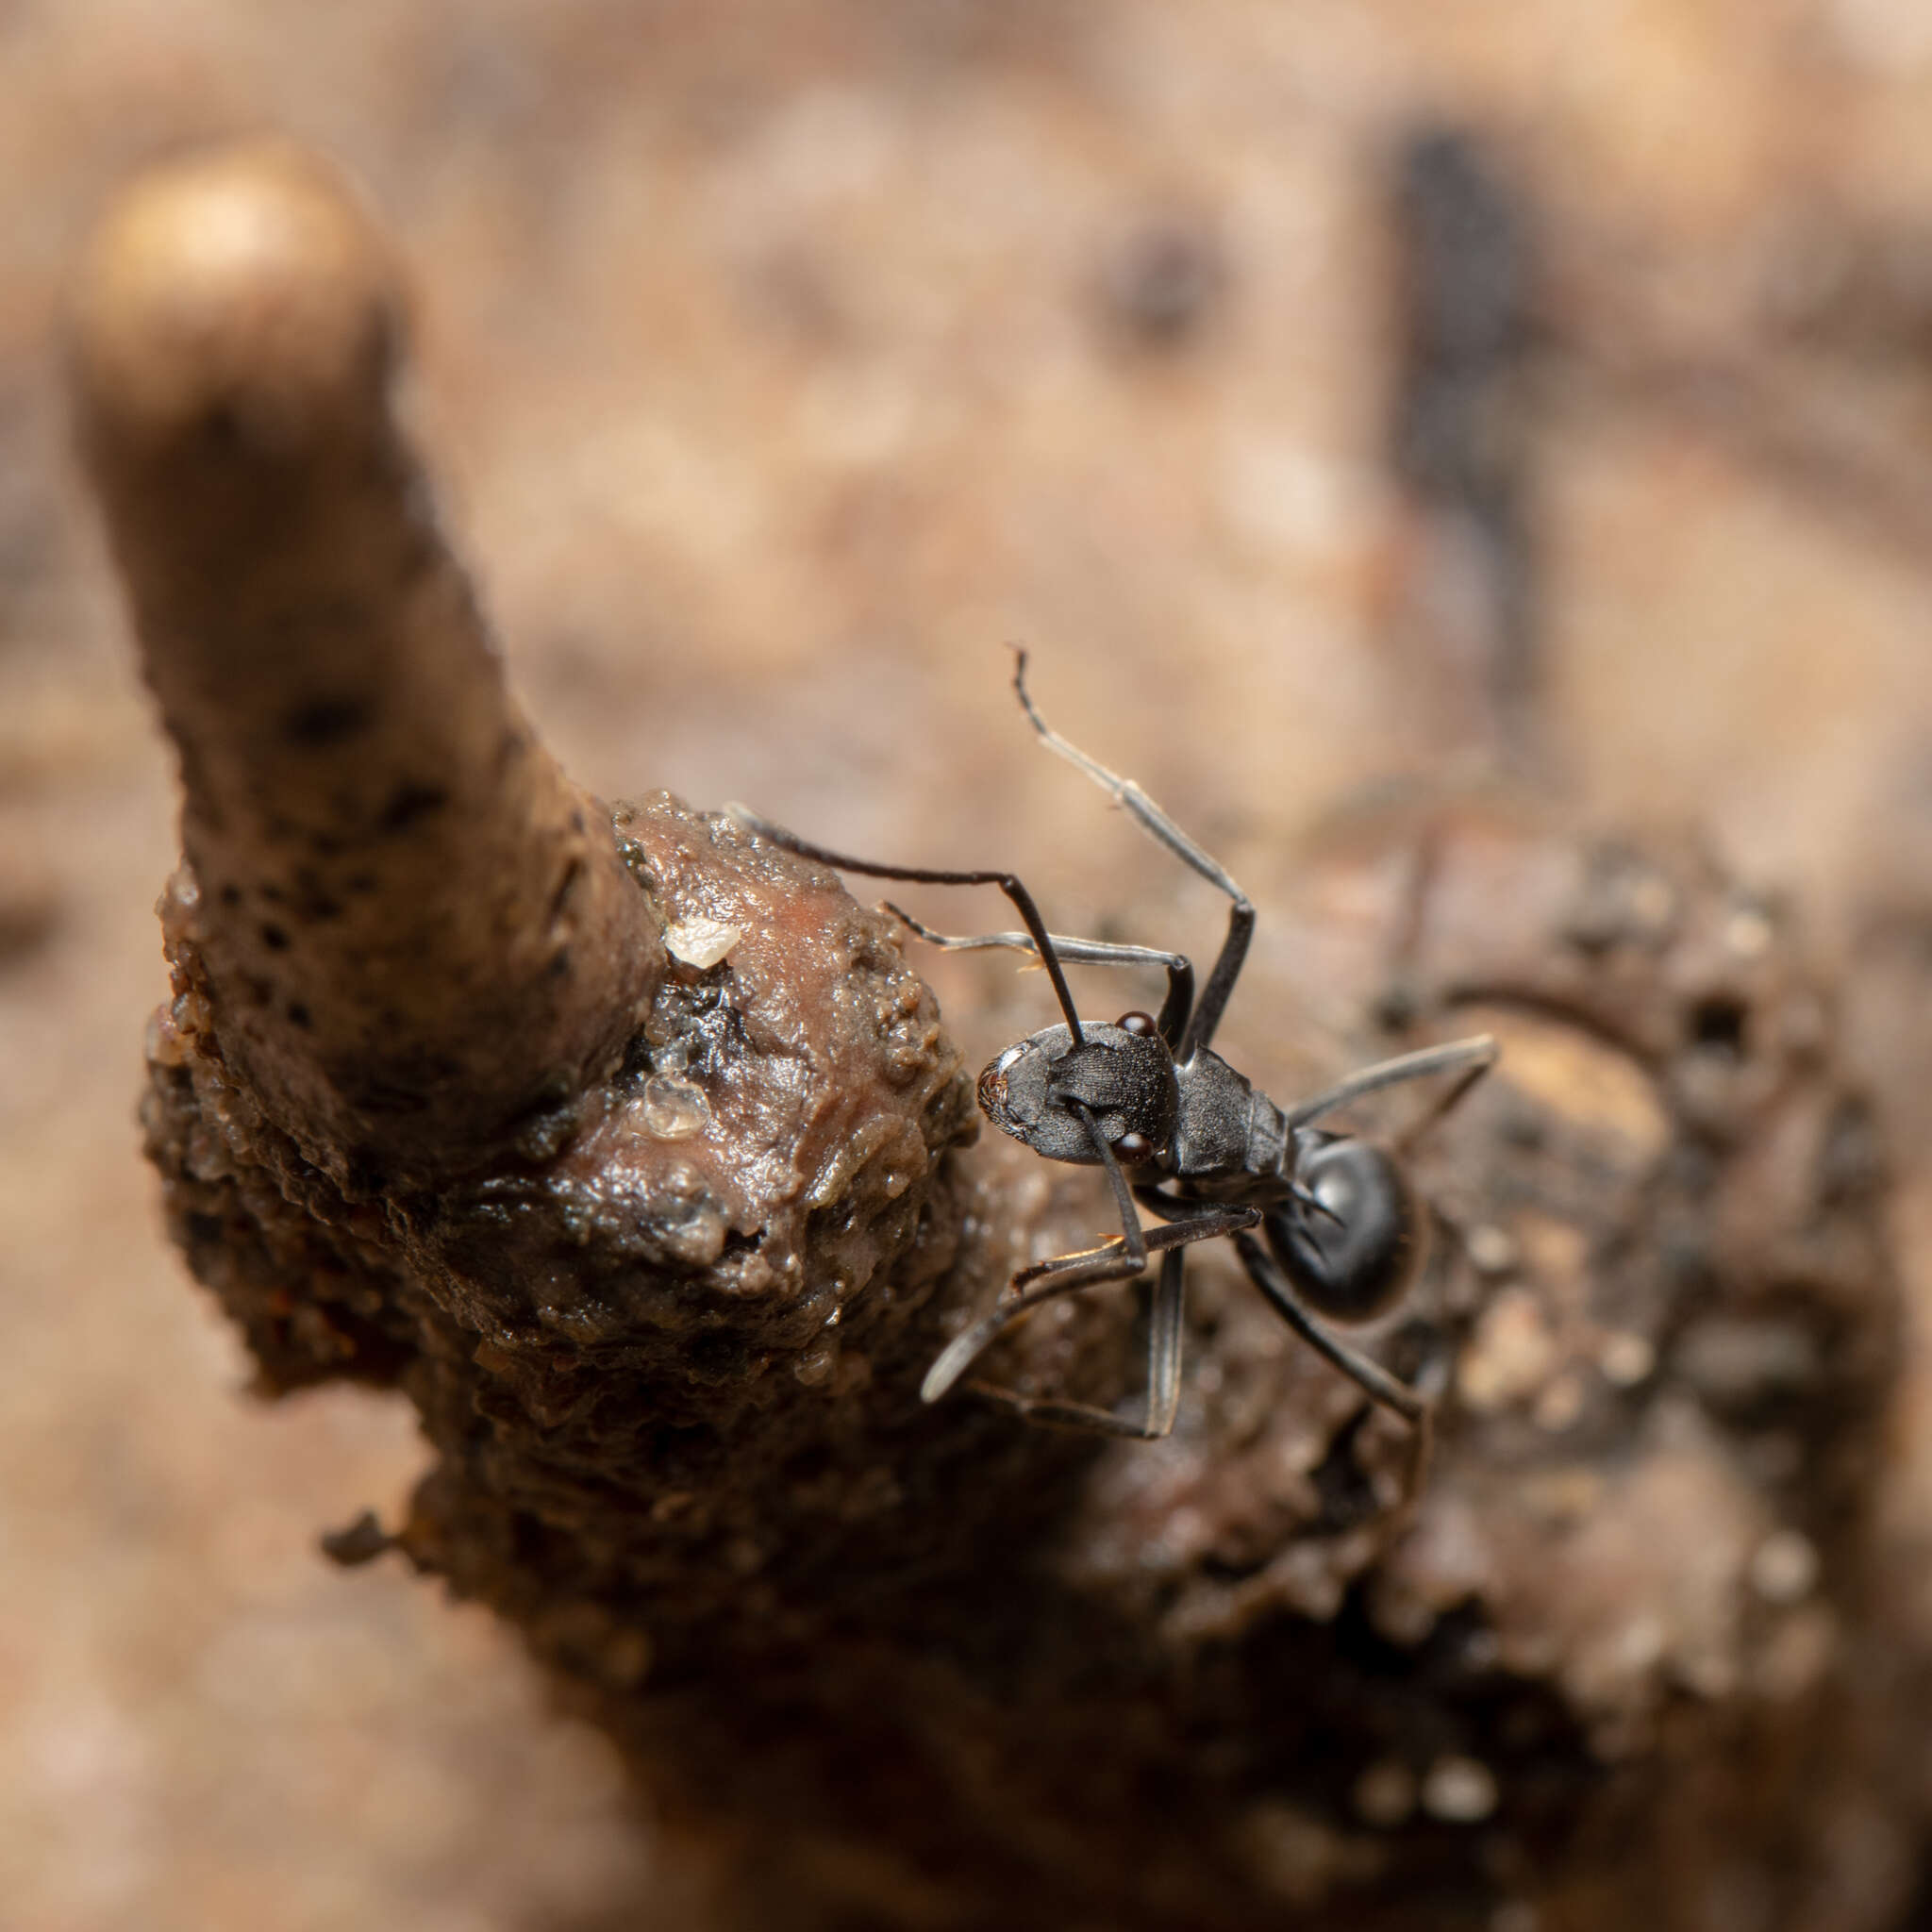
x,y
1460,1790
1560,1404
700,942
1626,1359
1784,1567
815,1364
1491,1249
1748,932
1510,1355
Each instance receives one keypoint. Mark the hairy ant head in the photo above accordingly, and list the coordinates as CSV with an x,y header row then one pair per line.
x,y
1123,1078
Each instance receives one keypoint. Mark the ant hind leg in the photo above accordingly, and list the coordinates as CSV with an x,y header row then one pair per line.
x,y
931,875
1470,1059
1077,951
1371,1378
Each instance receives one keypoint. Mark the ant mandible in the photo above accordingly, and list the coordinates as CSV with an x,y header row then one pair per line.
x,y
1208,1153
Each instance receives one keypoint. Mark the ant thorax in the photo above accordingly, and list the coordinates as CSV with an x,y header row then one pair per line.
x,y
1227,1125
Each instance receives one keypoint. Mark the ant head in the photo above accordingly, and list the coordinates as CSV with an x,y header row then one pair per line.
x,y
1123,1075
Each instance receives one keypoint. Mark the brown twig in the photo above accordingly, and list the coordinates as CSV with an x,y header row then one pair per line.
x,y
417,929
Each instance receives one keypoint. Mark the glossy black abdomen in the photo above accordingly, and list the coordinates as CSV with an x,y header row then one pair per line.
x,y
1355,1261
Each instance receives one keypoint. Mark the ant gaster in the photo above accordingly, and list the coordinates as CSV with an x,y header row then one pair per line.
x,y
1191,1139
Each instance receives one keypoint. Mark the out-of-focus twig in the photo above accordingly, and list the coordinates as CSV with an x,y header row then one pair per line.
x,y
1462,444
419,930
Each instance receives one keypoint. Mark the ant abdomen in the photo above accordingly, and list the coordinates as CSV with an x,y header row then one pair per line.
x,y
1359,1258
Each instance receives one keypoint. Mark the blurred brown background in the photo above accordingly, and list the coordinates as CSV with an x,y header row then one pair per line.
x,y
1330,392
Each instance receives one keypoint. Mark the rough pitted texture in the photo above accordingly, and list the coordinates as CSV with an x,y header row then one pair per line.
x,y
903,1667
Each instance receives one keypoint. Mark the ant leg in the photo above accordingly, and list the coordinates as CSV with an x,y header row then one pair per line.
x,y
1164,1392
1067,1275
1107,1257
1162,830
1180,969
1116,1260
1470,1075
1475,1055
1371,1378
1022,898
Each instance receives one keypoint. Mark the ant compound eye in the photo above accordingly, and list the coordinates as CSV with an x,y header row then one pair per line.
x,y
1134,1146
1139,1025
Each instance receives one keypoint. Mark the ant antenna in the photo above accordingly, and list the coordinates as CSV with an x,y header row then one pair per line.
x,y
926,875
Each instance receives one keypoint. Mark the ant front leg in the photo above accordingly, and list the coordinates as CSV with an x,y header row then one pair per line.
x,y
1115,1260
1006,881
1468,1059
1162,1399
1187,1222
1180,969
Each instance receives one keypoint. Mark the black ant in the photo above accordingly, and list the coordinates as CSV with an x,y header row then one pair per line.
x,y
1208,1154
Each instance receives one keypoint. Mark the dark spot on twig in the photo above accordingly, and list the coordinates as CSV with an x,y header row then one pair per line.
x,y
1162,280
274,938
314,904
408,803
572,874
325,722
222,429
298,1015
358,1543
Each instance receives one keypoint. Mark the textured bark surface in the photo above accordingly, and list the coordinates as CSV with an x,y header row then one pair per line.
x,y
932,1668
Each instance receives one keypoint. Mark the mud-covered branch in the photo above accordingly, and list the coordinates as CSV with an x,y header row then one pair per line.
x,y
634,1153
